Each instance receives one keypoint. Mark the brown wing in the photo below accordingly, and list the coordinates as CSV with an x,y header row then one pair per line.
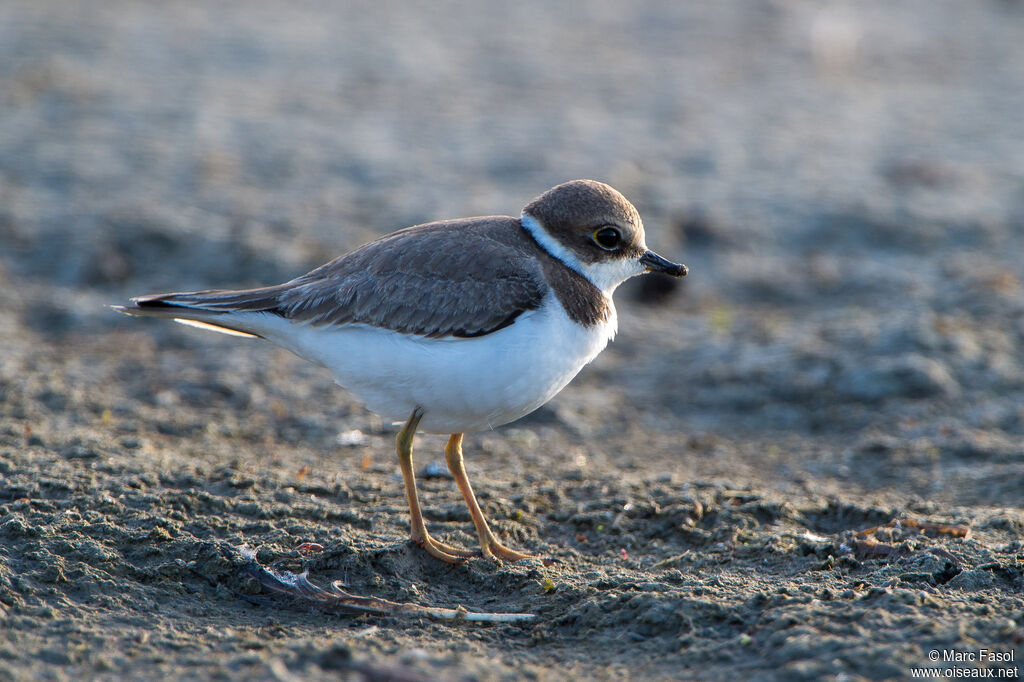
x,y
467,277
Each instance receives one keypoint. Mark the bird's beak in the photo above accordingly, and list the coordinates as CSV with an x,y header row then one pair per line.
x,y
655,263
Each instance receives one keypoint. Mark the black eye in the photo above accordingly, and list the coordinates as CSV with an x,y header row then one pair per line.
x,y
608,238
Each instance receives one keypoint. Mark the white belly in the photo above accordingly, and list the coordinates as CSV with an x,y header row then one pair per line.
x,y
460,384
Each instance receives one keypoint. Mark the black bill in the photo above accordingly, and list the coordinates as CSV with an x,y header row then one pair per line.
x,y
656,263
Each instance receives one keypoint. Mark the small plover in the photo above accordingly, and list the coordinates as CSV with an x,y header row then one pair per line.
x,y
452,326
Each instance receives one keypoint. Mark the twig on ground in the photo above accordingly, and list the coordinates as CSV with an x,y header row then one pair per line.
x,y
337,600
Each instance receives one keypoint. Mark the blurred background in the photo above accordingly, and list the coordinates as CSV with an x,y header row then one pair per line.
x,y
844,179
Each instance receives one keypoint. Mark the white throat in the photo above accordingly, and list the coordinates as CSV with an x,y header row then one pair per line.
x,y
605,275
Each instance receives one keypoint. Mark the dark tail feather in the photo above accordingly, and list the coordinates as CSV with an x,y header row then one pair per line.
x,y
207,309
216,300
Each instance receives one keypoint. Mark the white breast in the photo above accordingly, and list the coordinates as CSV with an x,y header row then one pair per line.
x,y
461,384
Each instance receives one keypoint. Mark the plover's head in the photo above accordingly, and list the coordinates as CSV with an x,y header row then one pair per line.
x,y
593,229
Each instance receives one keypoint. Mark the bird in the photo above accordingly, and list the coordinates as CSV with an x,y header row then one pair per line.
x,y
452,326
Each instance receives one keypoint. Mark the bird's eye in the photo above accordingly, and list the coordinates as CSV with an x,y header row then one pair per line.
x,y
608,238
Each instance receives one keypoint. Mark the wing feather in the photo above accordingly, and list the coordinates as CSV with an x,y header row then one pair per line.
x,y
460,278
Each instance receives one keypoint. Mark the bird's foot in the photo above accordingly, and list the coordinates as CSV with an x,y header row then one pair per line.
x,y
495,551
442,550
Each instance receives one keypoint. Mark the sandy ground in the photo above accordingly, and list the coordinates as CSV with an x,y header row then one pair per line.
x,y
845,181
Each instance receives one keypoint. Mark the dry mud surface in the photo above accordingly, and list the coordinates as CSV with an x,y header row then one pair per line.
x,y
845,181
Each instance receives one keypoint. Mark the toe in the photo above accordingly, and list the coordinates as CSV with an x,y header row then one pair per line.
x,y
443,551
498,551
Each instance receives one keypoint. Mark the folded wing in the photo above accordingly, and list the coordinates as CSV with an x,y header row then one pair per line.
x,y
461,278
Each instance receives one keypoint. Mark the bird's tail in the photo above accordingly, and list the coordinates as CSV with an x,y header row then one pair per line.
x,y
228,312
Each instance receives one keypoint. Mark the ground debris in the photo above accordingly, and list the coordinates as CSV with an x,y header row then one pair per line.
x,y
336,600
896,538
906,527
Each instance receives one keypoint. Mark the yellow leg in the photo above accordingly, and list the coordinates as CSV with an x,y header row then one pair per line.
x,y
418,530
489,545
